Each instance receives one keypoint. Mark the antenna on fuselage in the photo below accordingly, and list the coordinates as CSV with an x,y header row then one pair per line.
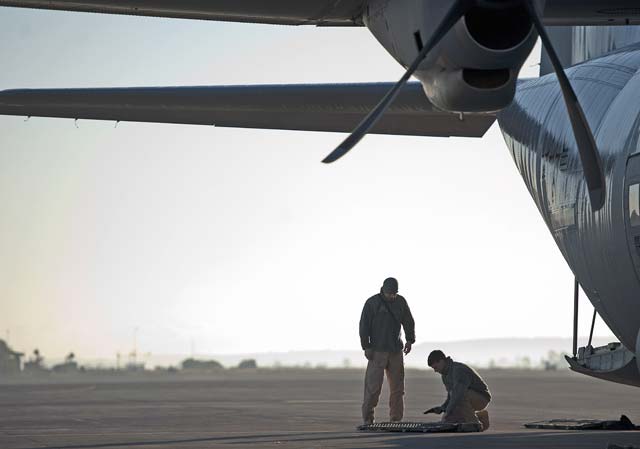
x,y
576,297
593,324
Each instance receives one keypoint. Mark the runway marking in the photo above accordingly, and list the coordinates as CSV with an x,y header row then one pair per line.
x,y
46,429
62,391
87,421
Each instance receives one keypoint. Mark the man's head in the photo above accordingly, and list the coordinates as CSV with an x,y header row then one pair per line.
x,y
437,360
390,288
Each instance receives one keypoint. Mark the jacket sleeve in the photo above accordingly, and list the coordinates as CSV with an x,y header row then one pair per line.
x,y
461,382
408,324
446,403
365,326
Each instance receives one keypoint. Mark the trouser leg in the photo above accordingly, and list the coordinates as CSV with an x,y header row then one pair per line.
x,y
479,404
395,378
465,411
373,384
462,413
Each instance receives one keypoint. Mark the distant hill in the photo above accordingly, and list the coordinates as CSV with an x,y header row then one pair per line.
x,y
501,352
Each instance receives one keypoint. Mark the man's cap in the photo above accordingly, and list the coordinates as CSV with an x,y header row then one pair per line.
x,y
390,285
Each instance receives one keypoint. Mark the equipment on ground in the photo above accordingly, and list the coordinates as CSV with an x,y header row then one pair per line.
x,y
421,427
624,423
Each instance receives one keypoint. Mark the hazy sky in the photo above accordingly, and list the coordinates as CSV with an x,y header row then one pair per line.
x,y
241,240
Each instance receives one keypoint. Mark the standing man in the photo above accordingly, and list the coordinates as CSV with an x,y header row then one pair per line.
x,y
467,394
382,317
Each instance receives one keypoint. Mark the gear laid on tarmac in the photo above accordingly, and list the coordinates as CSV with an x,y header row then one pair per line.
x,y
420,427
623,423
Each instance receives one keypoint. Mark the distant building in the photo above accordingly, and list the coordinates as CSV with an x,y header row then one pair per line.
x,y
9,360
134,367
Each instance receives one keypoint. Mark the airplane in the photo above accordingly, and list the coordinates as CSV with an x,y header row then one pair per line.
x,y
573,132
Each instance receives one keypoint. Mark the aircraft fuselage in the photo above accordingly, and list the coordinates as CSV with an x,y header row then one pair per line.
x,y
602,248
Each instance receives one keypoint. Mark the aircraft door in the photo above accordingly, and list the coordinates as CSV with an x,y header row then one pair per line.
x,y
632,208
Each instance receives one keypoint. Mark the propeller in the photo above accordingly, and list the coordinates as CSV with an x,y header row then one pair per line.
x,y
457,10
587,149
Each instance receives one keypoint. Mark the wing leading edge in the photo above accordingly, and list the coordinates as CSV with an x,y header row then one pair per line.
x,y
318,12
320,107
283,12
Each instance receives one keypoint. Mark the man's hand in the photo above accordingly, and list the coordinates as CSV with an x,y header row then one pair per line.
x,y
407,348
368,353
437,410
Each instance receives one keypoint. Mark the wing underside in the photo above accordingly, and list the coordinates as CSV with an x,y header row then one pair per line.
x,y
318,12
284,12
324,107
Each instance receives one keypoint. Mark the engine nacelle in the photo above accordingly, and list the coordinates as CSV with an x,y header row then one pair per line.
x,y
475,66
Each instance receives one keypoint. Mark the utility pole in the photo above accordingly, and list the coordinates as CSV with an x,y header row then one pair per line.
x,y
135,345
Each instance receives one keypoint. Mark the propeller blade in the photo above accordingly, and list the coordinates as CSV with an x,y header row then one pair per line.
x,y
589,155
454,14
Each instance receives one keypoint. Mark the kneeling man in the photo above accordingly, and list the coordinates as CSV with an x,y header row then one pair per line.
x,y
467,394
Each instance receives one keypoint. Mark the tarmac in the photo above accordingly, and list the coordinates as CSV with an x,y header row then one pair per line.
x,y
295,409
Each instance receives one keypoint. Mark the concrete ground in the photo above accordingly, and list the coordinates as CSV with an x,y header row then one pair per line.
x,y
294,409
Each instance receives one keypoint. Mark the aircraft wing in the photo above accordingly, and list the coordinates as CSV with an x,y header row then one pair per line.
x,y
319,12
319,107
285,12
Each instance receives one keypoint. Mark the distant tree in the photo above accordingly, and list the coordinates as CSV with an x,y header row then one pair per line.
x,y
35,365
248,364
69,365
37,358
523,362
202,365
554,361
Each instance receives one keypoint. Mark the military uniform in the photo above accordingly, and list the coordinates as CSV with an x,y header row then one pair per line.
x,y
380,326
467,394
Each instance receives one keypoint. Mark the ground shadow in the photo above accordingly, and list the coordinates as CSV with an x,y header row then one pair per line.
x,y
520,440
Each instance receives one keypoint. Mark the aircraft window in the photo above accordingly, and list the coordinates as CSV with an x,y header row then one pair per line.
x,y
634,204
